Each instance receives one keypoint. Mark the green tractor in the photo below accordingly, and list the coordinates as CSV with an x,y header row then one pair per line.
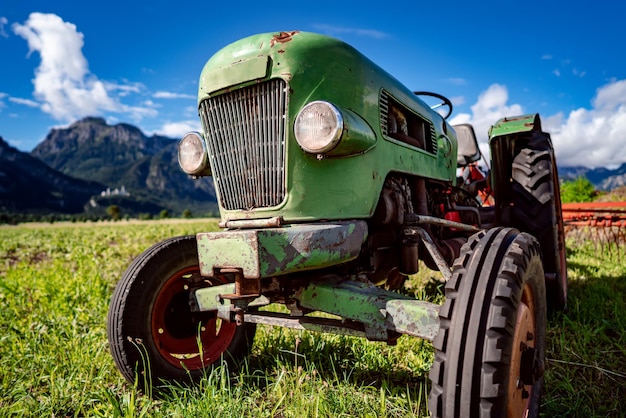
x,y
333,181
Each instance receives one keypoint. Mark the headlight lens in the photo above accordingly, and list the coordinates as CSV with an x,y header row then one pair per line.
x,y
192,155
318,127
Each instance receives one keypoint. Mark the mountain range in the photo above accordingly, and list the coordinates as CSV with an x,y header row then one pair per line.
x,y
91,165
602,178
27,184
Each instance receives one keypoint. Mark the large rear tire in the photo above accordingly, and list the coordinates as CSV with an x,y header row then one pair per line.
x,y
153,334
536,209
490,348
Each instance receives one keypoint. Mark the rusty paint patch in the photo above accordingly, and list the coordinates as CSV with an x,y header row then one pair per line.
x,y
283,37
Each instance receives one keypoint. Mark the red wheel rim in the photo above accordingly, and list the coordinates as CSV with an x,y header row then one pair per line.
x,y
520,390
187,340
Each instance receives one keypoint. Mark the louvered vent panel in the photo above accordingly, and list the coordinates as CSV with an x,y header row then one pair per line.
x,y
384,111
384,105
432,147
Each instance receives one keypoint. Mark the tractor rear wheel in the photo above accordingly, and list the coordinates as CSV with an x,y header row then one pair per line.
x,y
536,209
489,352
154,336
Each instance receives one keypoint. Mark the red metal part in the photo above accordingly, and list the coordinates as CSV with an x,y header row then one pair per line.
x,y
182,343
595,214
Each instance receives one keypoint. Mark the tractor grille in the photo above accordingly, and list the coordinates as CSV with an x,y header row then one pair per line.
x,y
245,131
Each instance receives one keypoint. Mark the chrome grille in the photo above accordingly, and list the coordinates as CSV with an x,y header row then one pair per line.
x,y
245,131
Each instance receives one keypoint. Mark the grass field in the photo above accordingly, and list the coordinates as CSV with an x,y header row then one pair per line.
x,y
56,282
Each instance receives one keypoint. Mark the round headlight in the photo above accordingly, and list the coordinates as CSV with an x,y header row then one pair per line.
x,y
318,127
192,155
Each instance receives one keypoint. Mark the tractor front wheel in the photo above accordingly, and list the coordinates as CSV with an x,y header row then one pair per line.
x,y
154,336
489,352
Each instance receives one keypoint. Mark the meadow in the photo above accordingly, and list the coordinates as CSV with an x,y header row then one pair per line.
x,y
56,281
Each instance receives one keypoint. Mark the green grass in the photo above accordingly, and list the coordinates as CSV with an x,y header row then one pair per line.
x,y
587,344
56,282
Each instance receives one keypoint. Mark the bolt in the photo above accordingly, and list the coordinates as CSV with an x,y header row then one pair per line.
x,y
239,318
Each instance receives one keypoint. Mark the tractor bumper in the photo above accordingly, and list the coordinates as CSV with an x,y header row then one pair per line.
x,y
267,252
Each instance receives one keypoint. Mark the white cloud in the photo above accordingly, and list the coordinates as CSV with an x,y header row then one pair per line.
x,y
169,95
491,106
63,83
25,102
150,103
3,21
336,30
124,89
556,72
457,81
178,129
546,57
594,137
457,100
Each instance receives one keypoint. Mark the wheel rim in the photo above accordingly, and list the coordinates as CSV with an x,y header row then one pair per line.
x,y
187,340
524,370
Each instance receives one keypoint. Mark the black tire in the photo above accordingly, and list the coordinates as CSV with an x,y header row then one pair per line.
x,y
536,209
153,335
494,301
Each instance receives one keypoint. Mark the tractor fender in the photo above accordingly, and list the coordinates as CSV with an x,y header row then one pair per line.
x,y
506,137
514,125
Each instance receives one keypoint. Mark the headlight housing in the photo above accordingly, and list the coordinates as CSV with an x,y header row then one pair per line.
x,y
318,127
192,155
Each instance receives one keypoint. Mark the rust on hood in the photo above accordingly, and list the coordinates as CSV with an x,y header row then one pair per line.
x,y
283,37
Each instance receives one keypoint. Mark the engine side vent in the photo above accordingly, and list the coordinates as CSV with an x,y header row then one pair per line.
x,y
400,123
384,111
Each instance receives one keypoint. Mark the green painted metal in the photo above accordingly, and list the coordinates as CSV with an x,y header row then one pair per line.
x,y
317,67
378,309
211,299
271,252
512,125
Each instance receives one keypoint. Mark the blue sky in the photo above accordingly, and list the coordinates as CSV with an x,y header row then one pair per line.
x,y
138,62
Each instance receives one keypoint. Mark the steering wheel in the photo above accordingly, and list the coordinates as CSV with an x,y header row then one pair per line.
x,y
444,101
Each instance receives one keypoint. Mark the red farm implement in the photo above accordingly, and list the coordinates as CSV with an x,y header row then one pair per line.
x,y
603,222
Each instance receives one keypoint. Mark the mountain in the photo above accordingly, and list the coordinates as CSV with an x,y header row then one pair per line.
x,y
602,178
91,149
122,156
29,185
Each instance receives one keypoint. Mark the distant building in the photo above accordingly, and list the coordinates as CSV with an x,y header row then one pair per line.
x,y
121,191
